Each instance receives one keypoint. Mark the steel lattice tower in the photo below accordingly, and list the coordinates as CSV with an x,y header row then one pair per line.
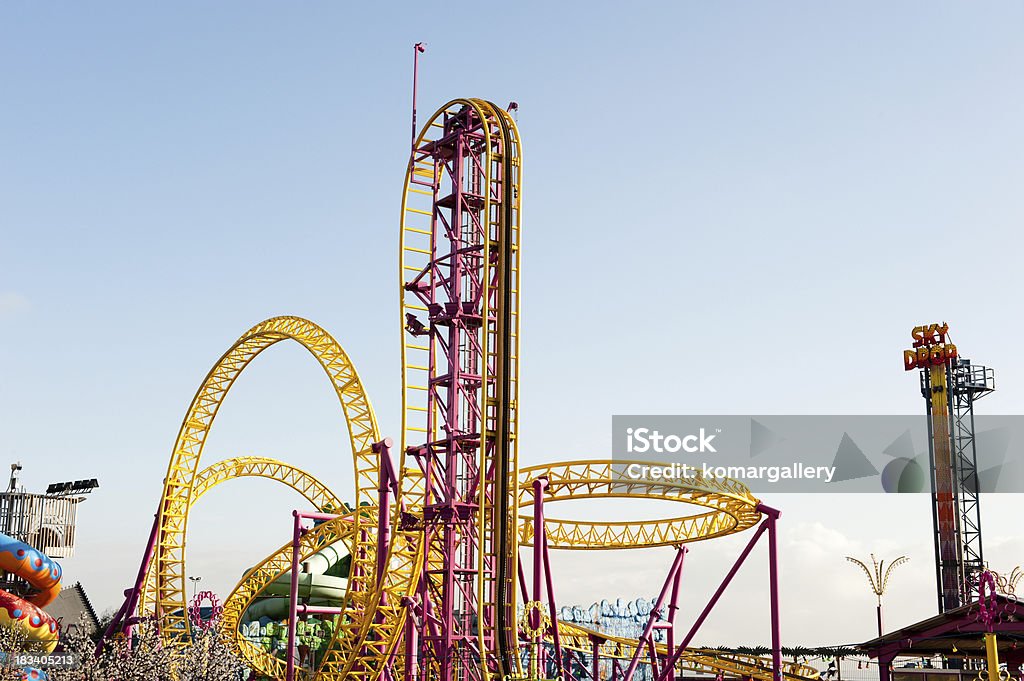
x,y
460,270
950,390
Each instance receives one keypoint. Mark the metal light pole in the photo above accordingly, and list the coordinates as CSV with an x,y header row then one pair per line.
x,y
195,585
877,579
1008,583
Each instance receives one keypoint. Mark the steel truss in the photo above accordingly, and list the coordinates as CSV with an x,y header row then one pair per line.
x,y
436,577
950,391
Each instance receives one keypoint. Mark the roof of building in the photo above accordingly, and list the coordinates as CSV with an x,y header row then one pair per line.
x,y
71,604
955,632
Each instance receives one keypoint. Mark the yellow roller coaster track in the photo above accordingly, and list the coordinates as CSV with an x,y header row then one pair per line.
x,y
273,567
319,496
163,596
701,660
500,167
315,492
373,614
731,508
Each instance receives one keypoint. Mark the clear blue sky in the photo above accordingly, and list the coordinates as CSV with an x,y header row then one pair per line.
x,y
729,208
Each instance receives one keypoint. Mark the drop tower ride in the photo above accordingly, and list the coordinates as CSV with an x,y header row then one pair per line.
x,y
950,386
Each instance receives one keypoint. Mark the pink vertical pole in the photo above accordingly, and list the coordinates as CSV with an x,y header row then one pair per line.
x,y
293,592
538,562
411,661
386,478
383,450
773,579
427,632
552,607
538,533
293,597
596,662
884,670
522,581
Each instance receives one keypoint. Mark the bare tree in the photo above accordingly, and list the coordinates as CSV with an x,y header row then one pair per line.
x,y
210,657
206,657
12,642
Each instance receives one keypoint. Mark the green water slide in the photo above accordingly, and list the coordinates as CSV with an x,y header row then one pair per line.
x,y
323,579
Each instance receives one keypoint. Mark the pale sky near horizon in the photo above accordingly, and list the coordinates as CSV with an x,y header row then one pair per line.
x,y
728,208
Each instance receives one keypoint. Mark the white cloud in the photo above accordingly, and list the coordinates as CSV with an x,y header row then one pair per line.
x,y
815,543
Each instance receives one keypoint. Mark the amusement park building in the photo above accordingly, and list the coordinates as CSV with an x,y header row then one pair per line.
x,y
954,634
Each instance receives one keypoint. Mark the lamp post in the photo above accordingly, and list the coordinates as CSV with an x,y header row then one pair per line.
x,y
195,585
877,579
1008,583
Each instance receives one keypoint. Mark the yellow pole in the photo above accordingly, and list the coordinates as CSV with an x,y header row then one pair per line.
x,y
992,649
945,496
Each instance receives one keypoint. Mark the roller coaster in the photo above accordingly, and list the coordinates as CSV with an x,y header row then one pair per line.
x,y
437,586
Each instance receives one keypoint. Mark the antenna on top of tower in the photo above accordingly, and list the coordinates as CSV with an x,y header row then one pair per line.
x,y
417,49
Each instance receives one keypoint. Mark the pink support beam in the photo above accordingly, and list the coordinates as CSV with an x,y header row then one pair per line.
x,y
294,608
522,581
125,620
535,615
293,595
538,548
671,585
767,525
411,644
463,297
673,609
542,579
552,607
387,488
773,588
